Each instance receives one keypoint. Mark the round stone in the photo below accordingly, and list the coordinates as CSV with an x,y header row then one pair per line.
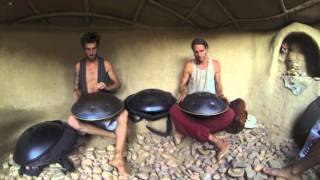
x,y
236,172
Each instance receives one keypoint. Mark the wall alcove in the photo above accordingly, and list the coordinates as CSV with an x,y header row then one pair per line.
x,y
303,45
307,37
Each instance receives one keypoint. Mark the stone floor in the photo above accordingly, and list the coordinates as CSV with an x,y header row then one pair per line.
x,y
151,157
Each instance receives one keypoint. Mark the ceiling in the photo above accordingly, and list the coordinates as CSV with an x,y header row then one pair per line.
x,y
199,14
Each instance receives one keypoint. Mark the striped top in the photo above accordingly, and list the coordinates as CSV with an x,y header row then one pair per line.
x,y
202,80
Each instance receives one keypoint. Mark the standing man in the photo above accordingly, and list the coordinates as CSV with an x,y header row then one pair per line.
x,y
93,74
203,74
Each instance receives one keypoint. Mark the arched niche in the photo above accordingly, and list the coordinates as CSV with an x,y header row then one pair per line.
x,y
309,39
310,51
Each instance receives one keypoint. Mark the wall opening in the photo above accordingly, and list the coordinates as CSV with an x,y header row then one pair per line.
x,y
304,51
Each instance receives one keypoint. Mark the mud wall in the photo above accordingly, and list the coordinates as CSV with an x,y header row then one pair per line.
x,y
36,71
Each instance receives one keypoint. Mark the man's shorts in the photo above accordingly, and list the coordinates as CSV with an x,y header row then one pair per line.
x,y
109,124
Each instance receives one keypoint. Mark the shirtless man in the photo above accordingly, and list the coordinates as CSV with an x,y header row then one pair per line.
x,y
203,74
87,80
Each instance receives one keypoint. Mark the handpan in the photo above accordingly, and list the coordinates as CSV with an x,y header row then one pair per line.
x,y
97,106
45,143
150,101
36,141
203,104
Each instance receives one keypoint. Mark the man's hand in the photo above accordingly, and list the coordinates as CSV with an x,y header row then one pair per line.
x,y
101,86
181,97
225,99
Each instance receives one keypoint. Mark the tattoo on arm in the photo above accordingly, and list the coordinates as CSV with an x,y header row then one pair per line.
x,y
76,80
76,92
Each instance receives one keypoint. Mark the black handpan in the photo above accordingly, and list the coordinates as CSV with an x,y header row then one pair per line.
x,y
203,104
45,143
36,141
151,101
97,106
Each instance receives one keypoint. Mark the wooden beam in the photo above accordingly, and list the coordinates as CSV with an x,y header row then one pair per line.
x,y
284,9
298,8
36,10
87,9
194,9
153,2
80,14
138,11
226,11
303,6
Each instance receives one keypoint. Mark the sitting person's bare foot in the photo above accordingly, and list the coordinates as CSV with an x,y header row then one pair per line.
x,y
223,147
178,137
285,173
118,162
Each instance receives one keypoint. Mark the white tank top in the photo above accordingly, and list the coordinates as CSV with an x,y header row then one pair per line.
x,y
202,80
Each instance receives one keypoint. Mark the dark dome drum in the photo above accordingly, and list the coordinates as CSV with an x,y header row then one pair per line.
x,y
97,106
150,101
203,104
36,141
45,143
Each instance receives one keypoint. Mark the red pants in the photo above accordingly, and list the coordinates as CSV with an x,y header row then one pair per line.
x,y
200,129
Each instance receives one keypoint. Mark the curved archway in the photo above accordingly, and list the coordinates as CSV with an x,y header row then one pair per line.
x,y
310,50
304,34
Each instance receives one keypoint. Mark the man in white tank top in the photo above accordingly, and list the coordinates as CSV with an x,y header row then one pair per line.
x,y
201,74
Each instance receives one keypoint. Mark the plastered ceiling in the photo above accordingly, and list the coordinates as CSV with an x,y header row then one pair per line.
x,y
199,14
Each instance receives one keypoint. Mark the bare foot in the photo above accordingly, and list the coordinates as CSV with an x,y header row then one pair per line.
x,y
118,162
222,145
178,137
285,173
223,149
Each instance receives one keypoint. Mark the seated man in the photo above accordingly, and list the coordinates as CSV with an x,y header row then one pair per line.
x,y
203,74
88,80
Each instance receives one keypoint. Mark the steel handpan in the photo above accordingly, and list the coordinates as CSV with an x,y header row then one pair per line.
x,y
43,144
151,101
203,104
97,106
36,141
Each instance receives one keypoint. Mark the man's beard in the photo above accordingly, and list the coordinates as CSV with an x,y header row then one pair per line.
x,y
199,60
92,58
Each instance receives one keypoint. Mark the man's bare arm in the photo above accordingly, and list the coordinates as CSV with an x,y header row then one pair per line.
x,y
184,81
113,76
217,79
76,89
